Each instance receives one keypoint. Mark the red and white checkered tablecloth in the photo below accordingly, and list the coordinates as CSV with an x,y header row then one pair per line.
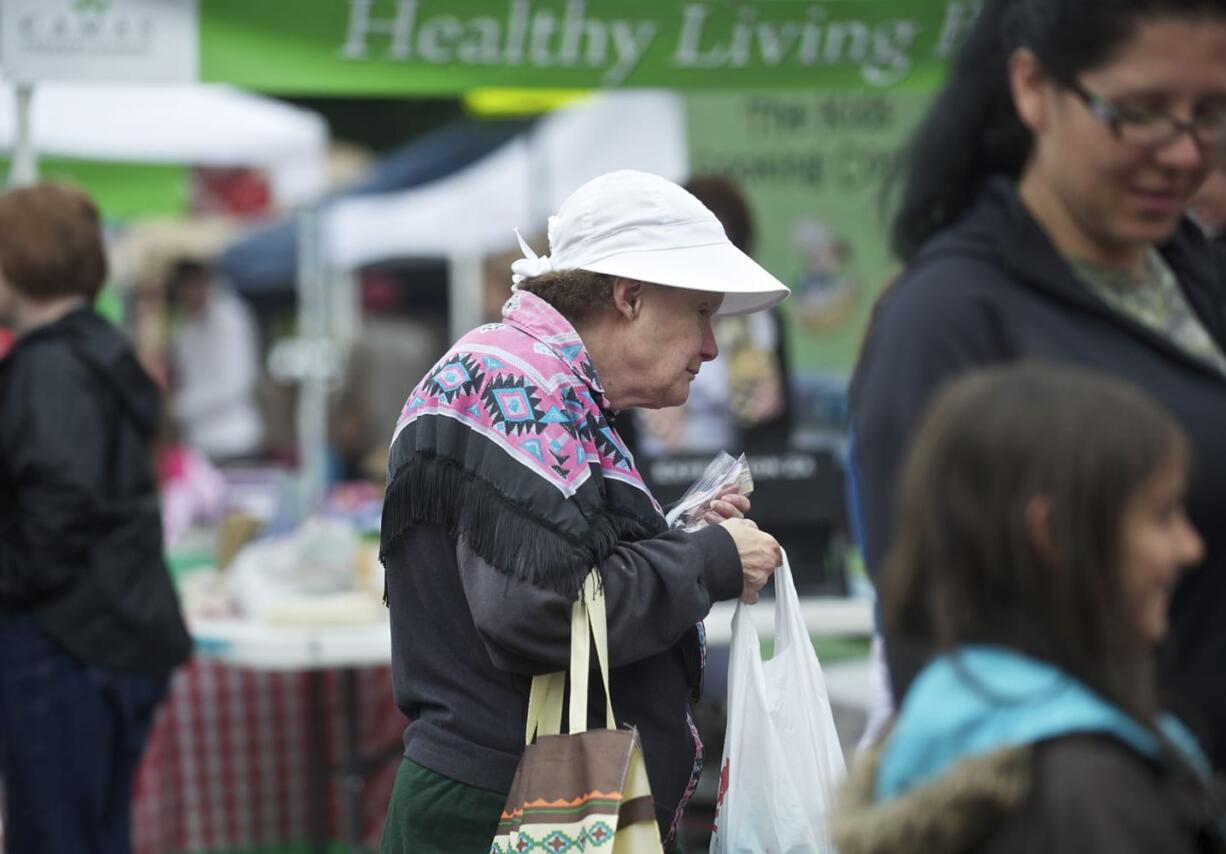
x,y
226,766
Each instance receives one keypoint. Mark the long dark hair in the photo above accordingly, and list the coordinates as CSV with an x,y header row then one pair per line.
x,y
972,130
965,568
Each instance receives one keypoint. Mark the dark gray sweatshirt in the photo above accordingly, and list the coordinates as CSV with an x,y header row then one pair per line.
x,y
466,641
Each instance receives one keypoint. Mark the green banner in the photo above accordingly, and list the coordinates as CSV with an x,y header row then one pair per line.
x,y
122,190
437,47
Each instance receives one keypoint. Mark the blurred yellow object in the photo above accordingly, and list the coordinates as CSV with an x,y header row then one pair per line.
x,y
236,530
498,102
348,608
368,572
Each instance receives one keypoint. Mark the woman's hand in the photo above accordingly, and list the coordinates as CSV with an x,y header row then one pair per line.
x,y
760,555
729,504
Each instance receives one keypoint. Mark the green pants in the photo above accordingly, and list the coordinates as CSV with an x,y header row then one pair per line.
x,y
433,814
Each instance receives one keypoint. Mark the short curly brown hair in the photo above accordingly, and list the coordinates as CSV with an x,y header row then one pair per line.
x,y
51,242
578,295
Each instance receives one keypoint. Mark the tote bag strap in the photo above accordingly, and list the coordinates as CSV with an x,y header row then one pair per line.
x,y
588,620
598,619
545,705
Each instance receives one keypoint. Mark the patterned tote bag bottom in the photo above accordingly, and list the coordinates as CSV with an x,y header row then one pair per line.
x,y
587,790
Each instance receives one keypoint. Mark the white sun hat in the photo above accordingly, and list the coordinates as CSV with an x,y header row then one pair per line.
x,y
640,226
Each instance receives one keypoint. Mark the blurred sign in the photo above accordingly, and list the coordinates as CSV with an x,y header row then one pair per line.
x,y
98,40
797,496
813,166
791,487
448,46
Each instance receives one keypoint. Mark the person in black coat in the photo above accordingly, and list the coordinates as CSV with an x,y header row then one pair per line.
x,y
90,626
1042,216
1037,726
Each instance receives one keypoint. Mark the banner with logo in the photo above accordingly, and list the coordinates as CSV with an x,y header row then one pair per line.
x,y
99,40
439,47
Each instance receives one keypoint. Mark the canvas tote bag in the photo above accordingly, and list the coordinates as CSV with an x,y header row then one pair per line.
x,y
586,790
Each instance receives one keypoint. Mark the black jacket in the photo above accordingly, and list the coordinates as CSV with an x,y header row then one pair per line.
x,y
1077,794
80,529
466,640
993,289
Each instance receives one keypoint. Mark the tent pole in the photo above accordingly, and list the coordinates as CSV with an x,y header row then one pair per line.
x,y
539,189
24,169
316,368
465,279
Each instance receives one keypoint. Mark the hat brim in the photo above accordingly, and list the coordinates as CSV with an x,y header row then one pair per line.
x,y
715,267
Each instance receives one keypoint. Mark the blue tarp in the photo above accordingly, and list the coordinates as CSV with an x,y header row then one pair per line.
x,y
265,261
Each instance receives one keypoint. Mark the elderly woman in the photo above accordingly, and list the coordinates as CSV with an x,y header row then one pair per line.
x,y
508,482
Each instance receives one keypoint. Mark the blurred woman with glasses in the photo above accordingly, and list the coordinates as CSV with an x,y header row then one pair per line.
x,y
1042,216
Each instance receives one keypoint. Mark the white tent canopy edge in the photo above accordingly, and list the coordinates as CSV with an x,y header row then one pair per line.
x,y
472,212
196,124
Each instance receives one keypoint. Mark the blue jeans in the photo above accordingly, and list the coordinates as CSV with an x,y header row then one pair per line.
x,y
70,738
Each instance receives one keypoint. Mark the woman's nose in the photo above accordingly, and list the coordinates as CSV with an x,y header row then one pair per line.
x,y
1193,546
710,347
1183,152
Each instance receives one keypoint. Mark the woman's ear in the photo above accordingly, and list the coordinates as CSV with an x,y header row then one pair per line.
x,y
1039,527
1029,84
628,297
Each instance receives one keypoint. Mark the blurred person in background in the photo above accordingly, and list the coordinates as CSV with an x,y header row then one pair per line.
x,y
508,484
495,288
1044,588
90,627
393,342
741,400
215,365
192,491
1042,216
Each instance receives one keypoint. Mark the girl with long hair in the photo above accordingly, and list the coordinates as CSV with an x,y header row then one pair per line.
x,y
1041,530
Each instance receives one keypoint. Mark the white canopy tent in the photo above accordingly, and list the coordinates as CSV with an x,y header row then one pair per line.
x,y
204,125
472,212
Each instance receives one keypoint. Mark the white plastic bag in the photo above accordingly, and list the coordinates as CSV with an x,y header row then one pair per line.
x,y
782,760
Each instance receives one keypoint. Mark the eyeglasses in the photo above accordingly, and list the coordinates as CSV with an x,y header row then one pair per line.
x,y
1156,130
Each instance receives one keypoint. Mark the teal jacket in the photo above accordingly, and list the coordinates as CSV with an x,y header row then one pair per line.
x,y
980,699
